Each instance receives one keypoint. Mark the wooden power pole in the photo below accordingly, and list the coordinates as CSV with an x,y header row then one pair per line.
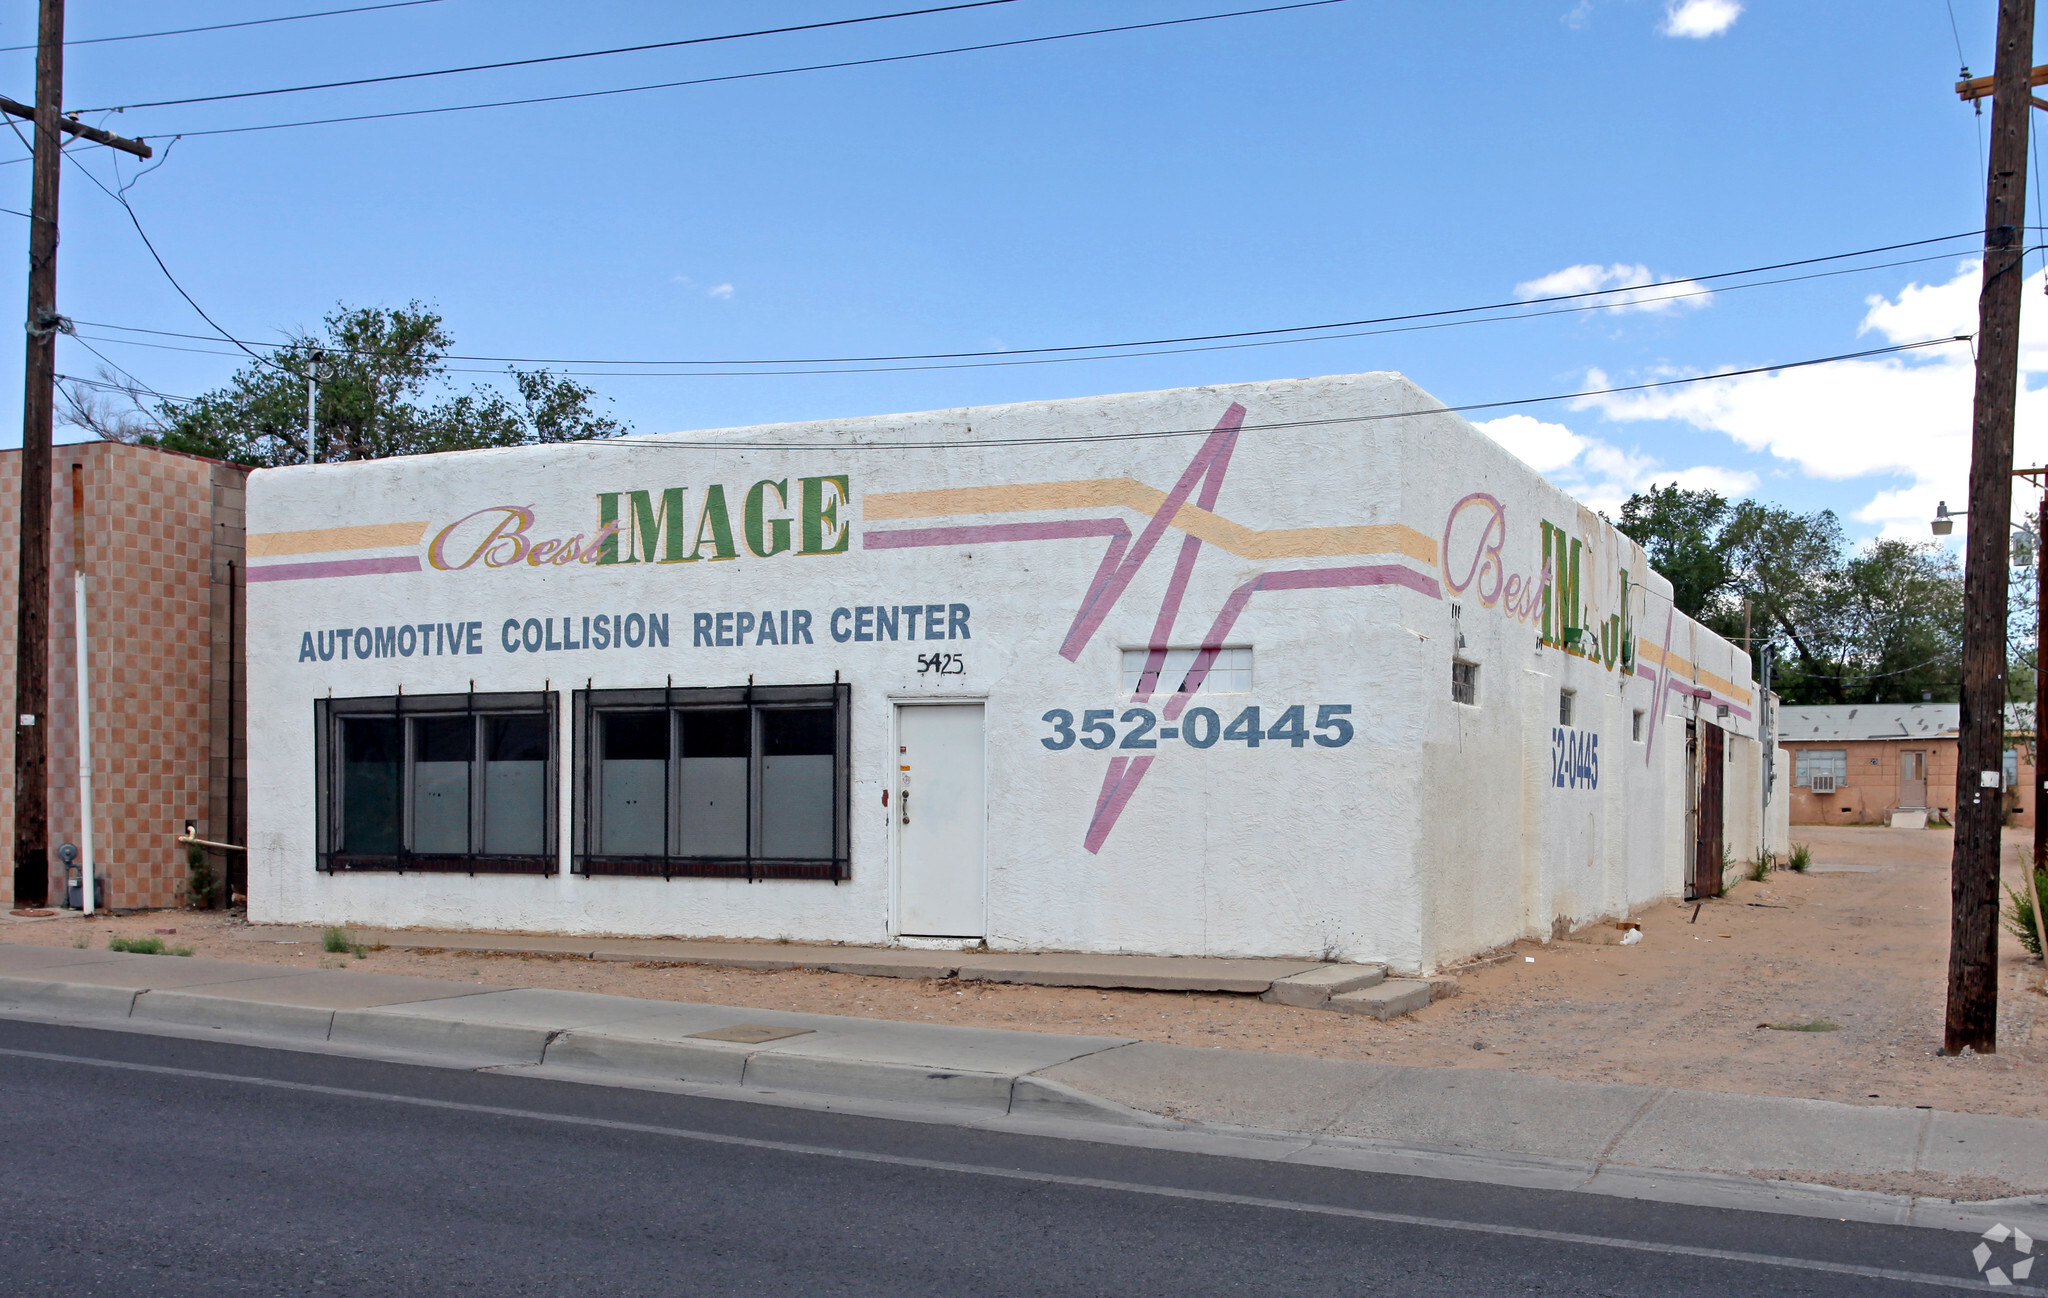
x,y
32,619
1972,1020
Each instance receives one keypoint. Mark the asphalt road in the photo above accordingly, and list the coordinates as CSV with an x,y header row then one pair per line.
x,y
132,1164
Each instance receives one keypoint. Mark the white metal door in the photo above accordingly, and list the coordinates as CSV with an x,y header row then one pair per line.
x,y
939,820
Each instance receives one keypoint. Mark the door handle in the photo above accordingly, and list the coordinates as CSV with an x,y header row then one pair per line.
x,y
903,802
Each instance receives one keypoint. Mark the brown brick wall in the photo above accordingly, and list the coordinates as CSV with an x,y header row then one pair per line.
x,y
151,548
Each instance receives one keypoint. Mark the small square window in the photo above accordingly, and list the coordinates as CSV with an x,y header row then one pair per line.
x,y
1464,682
1564,707
1636,726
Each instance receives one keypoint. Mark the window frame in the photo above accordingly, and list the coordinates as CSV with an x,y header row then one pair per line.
x,y
1473,679
476,709
590,704
1128,686
1807,763
1568,708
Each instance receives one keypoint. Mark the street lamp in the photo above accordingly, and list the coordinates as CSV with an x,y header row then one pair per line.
x,y
1944,522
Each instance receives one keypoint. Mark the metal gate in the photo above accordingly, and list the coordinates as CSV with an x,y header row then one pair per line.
x,y
1705,759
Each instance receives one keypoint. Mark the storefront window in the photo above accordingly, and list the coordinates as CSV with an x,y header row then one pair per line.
x,y
443,783
723,783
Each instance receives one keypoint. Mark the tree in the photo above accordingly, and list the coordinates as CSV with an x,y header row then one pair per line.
x,y
1847,625
378,371
1680,530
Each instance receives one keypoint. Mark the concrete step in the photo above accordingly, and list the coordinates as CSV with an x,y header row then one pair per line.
x,y
1384,1000
1043,968
1313,989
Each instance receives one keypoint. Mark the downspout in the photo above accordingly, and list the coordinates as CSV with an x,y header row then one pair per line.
x,y
84,687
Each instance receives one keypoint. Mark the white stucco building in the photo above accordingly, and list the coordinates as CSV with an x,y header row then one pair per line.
x,y
1303,668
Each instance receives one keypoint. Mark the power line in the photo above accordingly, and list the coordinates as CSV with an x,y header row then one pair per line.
x,y
1319,332
772,72
665,442
221,27
136,221
1030,361
104,386
551,58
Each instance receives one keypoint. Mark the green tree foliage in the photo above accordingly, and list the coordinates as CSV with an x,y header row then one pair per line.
x,y
1847,624
1681,531
382,377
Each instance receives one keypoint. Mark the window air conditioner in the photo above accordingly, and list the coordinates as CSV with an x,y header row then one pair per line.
x,y
1823,784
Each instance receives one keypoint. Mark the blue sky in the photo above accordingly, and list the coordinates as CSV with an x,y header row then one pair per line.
x,y
1358,159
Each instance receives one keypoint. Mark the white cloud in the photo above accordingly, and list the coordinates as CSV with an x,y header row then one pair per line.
x,y
723,292
1906,416
1628,288
1599,474
1544,447
1699,19
1580,13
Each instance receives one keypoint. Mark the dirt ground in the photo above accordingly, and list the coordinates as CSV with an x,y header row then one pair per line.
x,y
1686,1007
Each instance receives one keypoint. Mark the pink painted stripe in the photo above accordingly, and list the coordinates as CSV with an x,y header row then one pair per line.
x,y
1095,606
904,538
1117,787
1372,574
333,568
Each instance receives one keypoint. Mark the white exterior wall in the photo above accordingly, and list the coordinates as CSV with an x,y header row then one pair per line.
x,y
1437,832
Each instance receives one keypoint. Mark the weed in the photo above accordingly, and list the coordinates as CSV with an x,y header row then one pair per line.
x,y
202,885
335,940
80,944
1814,1025
358,950
2019,912
178,950
137,945
1760,868
1801,858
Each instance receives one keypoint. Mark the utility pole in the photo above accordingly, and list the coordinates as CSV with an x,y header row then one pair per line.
x,y
1972,1019
32,619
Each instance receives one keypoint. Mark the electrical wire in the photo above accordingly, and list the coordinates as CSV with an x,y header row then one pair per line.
x,y
666,442
190,301
772,72
552,58
105,386
1040,360
1321,331
221,27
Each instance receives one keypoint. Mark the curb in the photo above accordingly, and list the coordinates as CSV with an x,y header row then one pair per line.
x,y
592,1054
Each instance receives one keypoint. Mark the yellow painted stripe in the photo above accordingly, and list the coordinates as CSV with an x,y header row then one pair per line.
x,y
321,540
1100,493
1680,667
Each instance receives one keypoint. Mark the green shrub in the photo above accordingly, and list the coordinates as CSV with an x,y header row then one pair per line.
x,y
335,940
1801,858
137,945
1760,868
2019,912
202,885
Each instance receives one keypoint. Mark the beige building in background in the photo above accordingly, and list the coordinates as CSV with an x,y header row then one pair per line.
x,y
162,548
1858,764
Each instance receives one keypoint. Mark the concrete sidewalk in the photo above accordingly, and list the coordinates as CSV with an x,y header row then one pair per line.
x,y
1045,969
1762,1152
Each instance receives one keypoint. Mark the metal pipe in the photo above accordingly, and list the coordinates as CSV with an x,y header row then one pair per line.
x,y
191,838
84,666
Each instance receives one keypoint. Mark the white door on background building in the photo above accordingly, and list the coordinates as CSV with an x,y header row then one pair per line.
x,y
937,807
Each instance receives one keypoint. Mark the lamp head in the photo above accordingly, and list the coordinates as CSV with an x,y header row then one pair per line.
x,y
1944,522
